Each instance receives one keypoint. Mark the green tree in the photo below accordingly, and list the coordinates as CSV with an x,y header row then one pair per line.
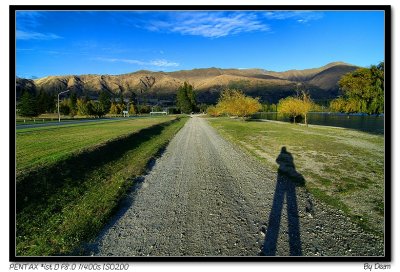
x,y
27,107
133,98
121,107
96,108
82,106
41,101
114,109
105,100
157,108
363,90
51,103
45,102
90,110
132,109
72,104
65,107
121,102
186,98
202,107
338,105
144,109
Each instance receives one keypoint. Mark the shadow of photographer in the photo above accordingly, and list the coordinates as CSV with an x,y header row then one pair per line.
x,y
287,180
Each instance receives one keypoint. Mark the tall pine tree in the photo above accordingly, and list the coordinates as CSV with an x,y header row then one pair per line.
x,y
186,99
105,101
27,106
73,108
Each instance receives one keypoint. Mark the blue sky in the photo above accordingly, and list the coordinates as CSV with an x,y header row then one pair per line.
x,y
118,42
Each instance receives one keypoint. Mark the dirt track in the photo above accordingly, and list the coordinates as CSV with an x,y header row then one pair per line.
x,y
204,196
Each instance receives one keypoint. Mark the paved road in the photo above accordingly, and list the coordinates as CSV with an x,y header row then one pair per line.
x,y
204,196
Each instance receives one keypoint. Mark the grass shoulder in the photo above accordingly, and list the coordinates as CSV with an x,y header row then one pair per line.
x,y
72,199
342,167
45,146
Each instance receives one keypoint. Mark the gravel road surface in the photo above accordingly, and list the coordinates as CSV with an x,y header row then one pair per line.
x,y
206,197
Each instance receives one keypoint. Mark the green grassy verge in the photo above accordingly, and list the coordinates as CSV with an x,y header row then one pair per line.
x,y
53,117
66,203
342,167
44,146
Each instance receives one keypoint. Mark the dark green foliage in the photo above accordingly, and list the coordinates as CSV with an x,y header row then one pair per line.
x,y
72,104
64,107
96,108
90,108
267,107
121,103
27,107
24,85
186,99
173,110
202,107
363,91
105,100
144,109
157,108
120,98
82,108
133,98
132,109
41,101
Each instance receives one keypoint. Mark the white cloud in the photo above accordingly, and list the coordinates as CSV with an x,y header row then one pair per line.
x,y
28,19
163,63
27,23
303,16
158,63
208,24
32,35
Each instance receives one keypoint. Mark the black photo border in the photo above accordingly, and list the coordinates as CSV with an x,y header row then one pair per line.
x,y
387,123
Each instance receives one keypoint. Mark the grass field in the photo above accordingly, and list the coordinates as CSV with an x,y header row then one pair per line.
x,y
38,147
53,117
342,167
76,177
46,117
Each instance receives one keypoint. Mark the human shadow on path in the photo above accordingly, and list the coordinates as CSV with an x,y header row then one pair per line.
x,y
287,180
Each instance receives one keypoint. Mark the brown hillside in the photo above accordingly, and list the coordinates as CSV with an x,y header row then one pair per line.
x,y
322,82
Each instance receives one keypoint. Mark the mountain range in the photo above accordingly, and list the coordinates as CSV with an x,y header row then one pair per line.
x,y
270,86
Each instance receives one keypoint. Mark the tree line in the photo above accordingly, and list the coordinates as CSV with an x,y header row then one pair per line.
x,y
362,92
33,105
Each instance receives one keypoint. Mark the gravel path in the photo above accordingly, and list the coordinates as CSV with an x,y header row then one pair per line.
x,y
204,196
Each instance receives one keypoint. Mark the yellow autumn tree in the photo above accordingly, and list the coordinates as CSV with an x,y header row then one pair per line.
x,y
132,109
337,105
290,106
296,106
306,105
235,103
213,111
114,109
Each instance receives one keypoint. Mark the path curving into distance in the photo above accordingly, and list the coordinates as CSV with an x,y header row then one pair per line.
x,y
206,197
